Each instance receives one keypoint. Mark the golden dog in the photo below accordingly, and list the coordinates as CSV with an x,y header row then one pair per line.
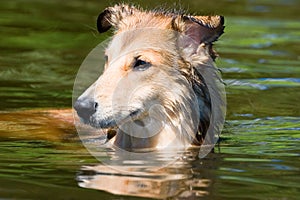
x,y
153,92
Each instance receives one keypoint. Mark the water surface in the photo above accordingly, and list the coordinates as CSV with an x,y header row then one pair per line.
x,y
42,44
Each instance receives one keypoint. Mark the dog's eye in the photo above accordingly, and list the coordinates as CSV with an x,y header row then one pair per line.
x,y
141,65
106,58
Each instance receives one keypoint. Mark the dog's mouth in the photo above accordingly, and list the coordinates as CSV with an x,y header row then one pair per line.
x,y
113,122
110,125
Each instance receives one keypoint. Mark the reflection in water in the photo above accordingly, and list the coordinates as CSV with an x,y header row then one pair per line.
x,y
138,178
38,124
258,156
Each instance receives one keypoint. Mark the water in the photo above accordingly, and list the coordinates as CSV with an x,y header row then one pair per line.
x,y
42,46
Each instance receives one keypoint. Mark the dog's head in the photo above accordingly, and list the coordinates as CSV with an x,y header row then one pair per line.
x,y
150,61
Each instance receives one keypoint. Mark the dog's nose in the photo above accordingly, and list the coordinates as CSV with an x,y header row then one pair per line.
x,y
85,108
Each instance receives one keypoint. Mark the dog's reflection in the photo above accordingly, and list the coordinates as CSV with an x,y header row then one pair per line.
x,y
152,181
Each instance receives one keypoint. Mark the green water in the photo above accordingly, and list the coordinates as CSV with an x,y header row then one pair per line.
x,y
42,44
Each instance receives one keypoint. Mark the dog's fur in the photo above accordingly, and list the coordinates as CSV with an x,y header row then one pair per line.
x,y
172,50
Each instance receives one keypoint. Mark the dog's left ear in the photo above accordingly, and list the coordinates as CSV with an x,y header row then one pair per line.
x,y
112,16
199,29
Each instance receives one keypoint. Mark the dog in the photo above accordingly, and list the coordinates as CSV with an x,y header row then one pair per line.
x,y
155,91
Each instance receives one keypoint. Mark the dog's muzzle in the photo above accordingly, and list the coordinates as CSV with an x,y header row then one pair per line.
x,y
85,108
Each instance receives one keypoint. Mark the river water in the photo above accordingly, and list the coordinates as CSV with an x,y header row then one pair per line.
x,y
42,46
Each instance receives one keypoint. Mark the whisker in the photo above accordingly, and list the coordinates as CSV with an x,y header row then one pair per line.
x,y
90,27
93,30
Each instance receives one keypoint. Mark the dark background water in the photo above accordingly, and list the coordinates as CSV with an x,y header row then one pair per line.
x,y
42,44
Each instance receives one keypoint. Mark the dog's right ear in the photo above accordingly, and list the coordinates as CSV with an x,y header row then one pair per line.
x,y
112,16
202,29
198,30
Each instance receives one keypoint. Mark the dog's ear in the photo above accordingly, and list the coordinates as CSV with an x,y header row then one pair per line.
x,y
103,21
198,30
211,27
112,16
202,29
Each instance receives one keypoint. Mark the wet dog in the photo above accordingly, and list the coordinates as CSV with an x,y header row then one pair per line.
x,y
156,88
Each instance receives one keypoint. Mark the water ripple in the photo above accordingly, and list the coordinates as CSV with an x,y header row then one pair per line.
x,y
263,83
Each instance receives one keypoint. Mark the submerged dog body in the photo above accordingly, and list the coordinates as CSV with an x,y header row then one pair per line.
x,y
154,92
